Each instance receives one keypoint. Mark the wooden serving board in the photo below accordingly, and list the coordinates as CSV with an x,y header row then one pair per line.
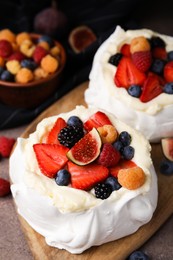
x,y
121,248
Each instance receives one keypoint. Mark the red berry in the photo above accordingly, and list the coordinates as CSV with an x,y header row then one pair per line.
x,y
5,48
125,50
123,164
159,53
142,60
6,145
50,157
151,88
96,120
109,156
85,177
16,56
168,72
39,54
127,74
4,187
52,137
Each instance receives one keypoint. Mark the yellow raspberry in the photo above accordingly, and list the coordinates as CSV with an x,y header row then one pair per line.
x,y
55,51
27,48
108,133
139,44
131,178
2,61
24,75
22,37
39,73
8,35
45,45
49,64
13,66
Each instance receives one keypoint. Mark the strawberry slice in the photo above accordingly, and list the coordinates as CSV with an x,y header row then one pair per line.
x,y
168,71
151,88
123,164
125,50
127,74
52,137
85,177
50,158
96,120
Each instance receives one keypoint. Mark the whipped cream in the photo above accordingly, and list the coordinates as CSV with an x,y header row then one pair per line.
x,y
154,118
74,219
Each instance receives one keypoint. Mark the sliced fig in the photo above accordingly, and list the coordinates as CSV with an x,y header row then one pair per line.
x,y
87,149
167,147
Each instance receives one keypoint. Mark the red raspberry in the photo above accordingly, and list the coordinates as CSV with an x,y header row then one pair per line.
x,y
109,157
17,56
4,187
39,53
142,60
6,145
5,48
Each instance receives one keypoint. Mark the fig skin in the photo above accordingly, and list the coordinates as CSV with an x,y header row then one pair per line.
x,y
167,148
51,21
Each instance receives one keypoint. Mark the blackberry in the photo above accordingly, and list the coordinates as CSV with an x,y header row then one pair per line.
x,y
115,59
102,191
70,135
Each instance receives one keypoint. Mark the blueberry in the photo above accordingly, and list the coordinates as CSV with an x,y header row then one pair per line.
x,y
157,66
134,91
170,55
128,152
46,38
115,59
74,121
168,88
29,64
118,145
125,138
113,182
7,76
1,70
166,167
156,41
62,178
138,255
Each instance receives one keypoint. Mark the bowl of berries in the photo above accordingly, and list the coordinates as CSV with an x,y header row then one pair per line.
x,y
31,68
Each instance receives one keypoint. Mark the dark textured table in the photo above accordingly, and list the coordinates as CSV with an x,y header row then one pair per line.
x,y
13,245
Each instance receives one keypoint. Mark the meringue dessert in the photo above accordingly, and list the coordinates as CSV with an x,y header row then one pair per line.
x,y
83,178
132,77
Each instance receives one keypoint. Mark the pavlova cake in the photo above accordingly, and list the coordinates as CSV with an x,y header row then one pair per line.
x,y
83,178
132,77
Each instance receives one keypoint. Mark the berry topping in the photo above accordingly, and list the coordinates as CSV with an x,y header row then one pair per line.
x,y
166,167
168,71
102,191
4,187
151,88
128,152
127,74
29,64
39,54
168,88
125,50
70,135
134,90
108,133
6,76
115,59
96,120
85,177
123,164
113,182
87,149
75,121
156,41
5,48
52,137
138,255
157,66
131,178
125,138
16,56
63,177
50,157
142,60
6,145
109,156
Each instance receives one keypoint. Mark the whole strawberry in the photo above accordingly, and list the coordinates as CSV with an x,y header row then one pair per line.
x,y
109,156
4,187
6,145
142,60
